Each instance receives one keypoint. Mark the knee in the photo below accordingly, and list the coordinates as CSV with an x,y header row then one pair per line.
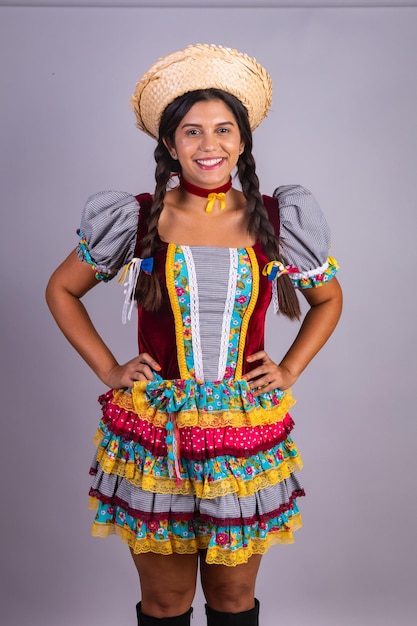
x,y
232,597
167,602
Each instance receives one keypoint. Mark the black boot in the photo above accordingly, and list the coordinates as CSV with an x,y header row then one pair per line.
x,y
148,620
245,618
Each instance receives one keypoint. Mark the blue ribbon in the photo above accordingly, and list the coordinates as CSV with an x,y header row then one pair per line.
x,y
147,265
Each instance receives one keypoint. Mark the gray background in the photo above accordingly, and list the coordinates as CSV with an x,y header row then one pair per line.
x,y
343,123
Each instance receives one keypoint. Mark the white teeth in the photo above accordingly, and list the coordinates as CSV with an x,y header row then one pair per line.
x,y
209,162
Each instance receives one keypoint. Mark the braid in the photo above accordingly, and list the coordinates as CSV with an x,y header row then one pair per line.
x,y
148,290
261,227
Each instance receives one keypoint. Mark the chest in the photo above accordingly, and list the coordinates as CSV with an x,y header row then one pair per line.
x,y
227,229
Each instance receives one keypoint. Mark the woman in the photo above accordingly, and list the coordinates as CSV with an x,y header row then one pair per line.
x,y
195,463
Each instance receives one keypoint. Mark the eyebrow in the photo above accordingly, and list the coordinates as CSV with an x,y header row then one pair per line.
x,y
200,125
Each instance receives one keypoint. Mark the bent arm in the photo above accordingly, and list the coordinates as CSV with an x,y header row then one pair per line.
x,y
318,324
67,285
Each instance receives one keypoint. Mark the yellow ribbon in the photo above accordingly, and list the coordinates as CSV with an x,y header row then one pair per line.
x,y
211,199
124,274
332,261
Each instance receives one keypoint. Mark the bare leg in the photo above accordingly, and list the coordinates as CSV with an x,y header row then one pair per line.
x,y
167,582
230,589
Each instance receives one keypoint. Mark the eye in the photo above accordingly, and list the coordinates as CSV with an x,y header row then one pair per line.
x,y
193,131
223,130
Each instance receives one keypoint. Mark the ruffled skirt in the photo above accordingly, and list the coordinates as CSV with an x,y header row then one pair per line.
x,y
183,466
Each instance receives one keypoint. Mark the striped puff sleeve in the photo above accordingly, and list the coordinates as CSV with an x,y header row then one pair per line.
x,y
107,232
304,237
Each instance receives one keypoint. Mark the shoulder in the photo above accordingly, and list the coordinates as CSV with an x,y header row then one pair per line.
x,y
108,204
298,197
305,236
108,228
294,207
299,209
111,209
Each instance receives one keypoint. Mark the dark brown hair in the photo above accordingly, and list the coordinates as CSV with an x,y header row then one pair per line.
x,y
148,293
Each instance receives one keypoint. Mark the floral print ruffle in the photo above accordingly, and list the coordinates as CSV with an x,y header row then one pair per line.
x,y
225,545
198,403
317,279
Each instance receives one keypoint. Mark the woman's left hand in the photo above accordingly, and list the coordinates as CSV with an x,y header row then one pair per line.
x,y
268,375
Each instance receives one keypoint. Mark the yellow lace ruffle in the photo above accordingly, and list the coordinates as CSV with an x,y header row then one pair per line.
x,y
209,490
214,556
136,402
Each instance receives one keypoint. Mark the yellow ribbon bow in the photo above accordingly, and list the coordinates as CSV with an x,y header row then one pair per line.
x,y
212,197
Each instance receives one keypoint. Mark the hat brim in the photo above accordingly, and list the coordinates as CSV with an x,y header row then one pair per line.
x,y
201,66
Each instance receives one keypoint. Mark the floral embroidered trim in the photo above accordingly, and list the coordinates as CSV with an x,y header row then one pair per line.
x,y
85,253
248,313
317,277
170,282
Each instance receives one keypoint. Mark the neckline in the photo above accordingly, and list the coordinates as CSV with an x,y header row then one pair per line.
x,y
256,246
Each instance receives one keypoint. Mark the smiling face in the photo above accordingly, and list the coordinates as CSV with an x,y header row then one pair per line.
x,y
207,144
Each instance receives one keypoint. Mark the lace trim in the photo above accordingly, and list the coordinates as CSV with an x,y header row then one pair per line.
x,y
194,313
209,490
248,312
228,312
214,556
137,403
98,437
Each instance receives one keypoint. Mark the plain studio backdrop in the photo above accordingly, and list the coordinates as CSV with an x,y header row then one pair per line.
x,y
343,123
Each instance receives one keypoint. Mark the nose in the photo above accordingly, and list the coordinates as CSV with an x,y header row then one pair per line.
x,y
208,142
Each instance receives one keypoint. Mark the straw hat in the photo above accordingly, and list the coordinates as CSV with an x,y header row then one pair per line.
x,y
201,66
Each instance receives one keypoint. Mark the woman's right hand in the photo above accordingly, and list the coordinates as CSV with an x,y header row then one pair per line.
x,y
139,368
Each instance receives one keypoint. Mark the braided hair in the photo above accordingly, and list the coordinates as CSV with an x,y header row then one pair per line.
x,y
148,291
